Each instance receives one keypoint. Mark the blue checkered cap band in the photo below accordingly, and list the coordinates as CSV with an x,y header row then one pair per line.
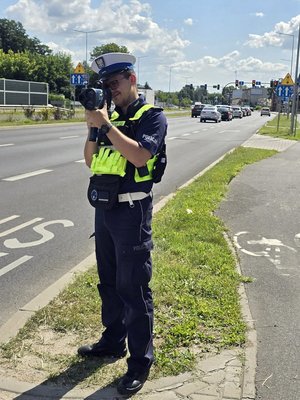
x,y
111,63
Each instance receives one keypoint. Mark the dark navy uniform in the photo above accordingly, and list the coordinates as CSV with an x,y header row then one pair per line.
x,y
123,245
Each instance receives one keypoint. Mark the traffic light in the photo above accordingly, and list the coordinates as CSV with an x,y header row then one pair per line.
x,y
271,83
253,82
275,83
236,82
218,87
205,86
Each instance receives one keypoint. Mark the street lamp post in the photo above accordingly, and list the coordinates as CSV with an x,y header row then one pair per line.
x,y
170,72
86,41
293,36
138,67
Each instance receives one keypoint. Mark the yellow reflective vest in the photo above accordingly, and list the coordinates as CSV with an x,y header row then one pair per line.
x,y
109,161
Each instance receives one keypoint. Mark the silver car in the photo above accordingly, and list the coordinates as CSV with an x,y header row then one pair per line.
x,y
210,113
237,112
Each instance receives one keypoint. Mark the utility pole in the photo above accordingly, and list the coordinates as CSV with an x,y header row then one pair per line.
x,y
295,94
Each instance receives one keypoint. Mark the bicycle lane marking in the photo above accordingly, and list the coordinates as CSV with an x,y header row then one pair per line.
x,y
269,246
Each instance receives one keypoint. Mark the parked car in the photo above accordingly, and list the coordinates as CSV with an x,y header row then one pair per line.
x,y
210,113
226,112
265,111
237,112
196,110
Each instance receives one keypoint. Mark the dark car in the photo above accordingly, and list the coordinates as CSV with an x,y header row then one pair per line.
x,y
196,110
226,113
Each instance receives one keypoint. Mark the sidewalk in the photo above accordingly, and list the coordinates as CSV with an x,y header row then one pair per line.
x,y
229,375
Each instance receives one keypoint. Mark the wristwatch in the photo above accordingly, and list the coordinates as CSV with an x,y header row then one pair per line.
x,y
104,129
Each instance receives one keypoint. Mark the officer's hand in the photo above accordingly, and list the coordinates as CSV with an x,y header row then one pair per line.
x,y
96,118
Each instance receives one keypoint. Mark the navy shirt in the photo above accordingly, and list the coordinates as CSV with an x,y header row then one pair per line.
x,y
150,133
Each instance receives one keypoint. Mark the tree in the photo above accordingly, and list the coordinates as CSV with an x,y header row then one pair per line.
x,y
108,48
53,69
14,37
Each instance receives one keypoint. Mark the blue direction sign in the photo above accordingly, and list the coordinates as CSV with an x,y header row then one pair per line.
x,y
79,79
284,91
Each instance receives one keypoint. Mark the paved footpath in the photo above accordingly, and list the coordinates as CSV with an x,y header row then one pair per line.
x,y
229,375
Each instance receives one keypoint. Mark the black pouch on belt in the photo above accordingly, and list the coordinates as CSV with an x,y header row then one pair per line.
x,y
103,191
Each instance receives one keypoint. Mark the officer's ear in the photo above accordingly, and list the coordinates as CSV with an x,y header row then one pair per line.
x,y
132,79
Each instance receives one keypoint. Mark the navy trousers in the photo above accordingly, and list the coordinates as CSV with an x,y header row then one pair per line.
x,y
123,250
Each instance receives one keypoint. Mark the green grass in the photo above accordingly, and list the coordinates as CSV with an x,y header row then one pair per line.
x,y
280,129
195,287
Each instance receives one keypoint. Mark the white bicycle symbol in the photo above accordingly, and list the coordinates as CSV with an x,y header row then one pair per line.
x,y
272,248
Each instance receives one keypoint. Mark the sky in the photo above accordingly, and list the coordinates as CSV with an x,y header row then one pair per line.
x,y
176,42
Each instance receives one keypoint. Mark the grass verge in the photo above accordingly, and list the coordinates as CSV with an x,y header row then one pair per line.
x,y
194,284
280,128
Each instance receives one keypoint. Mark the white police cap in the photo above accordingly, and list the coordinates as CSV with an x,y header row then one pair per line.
x,y
112,63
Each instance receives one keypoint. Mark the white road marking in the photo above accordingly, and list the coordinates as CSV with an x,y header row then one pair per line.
x,y
80,161
21,226
69,137
172,138
186,134
2,221
14,264
46,235
195,131
7,144
27,175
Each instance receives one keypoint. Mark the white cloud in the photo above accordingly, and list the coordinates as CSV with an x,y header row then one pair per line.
x,y
273,38
188,21
128,23
206,67
259,14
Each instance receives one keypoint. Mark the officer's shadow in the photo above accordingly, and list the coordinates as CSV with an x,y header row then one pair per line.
x,y
58,387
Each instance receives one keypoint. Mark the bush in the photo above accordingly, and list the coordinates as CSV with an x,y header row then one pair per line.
x,y
29,112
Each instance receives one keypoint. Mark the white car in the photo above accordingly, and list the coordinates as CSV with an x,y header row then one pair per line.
x,y
265,111
237,112
210,113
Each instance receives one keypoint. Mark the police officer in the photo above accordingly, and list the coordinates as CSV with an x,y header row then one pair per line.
x,y
134,134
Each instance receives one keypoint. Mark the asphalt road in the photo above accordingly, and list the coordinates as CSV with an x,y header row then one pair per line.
x,y
45,218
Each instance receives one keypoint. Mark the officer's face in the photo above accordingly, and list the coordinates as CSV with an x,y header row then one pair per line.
x,y
120,87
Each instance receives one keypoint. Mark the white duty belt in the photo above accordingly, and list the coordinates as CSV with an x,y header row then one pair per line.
x,y
131,197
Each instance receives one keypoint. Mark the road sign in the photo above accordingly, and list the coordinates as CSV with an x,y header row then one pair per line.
x,y
79,79
284,91
287,80
79,69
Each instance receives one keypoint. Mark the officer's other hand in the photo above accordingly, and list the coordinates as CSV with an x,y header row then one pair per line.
x,y
96,118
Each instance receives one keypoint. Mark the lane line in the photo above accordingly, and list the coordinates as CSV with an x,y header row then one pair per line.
x,y
7,144
69,137
21,226
172,138
2,221
186,134
80,161
14,264
27,175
